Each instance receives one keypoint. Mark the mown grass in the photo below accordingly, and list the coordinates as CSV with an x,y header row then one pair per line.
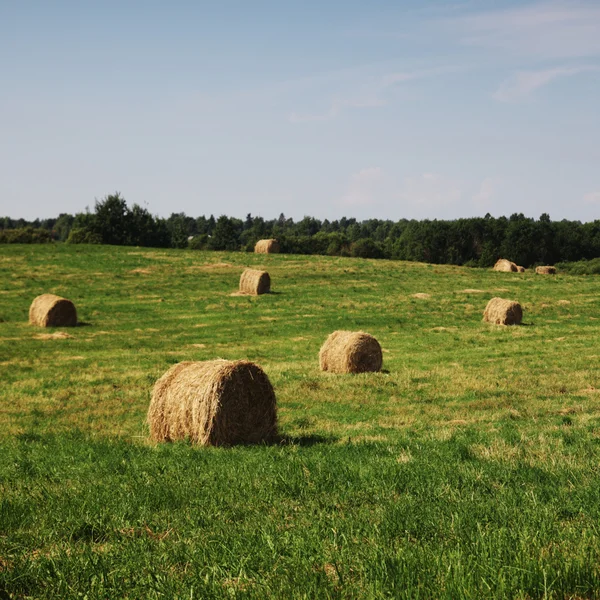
x,y
467,469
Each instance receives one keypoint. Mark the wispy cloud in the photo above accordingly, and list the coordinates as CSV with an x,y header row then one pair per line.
x,y
430,191
592,198
363,187
524,83
547,30
368,92
482,199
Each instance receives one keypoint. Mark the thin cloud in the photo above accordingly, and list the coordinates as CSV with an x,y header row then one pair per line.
x,y
363,187
430,191
482,198
543,30
592,198
524,83
370,92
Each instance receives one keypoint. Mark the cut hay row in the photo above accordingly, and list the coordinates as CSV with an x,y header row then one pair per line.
x,y
270,246
49,310
213,403
255,282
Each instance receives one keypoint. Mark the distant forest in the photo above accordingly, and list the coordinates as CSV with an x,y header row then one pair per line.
x,y
475,242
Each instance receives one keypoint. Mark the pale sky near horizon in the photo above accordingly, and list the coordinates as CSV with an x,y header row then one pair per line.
x,y
390,109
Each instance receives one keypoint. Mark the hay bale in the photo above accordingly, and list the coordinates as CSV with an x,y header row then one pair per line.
x,y
213,403
49,310
547,270
521,269
350,352
505,265
503,312
255,282
267,247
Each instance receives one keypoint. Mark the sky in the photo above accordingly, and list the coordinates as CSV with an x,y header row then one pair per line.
x,y
389,109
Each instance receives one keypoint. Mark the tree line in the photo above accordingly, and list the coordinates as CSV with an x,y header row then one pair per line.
x,y
477,241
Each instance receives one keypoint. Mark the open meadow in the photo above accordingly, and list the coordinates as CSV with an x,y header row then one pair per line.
x,y
468,468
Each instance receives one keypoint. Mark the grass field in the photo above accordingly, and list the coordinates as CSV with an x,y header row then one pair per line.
x,y
469,468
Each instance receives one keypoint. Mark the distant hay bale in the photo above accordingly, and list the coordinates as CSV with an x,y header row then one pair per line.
x,y
255,282
505,265
503,312
267,247
49,310
521,269
213,403
350,352
547,270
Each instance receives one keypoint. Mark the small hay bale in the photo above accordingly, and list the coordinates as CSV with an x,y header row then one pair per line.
x,y
255,282
49,310
505,265
350,352
213,403
267,247
503,312
521,269
547,270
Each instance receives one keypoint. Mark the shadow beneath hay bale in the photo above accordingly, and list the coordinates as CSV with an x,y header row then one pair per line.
x,y
83,324
304,440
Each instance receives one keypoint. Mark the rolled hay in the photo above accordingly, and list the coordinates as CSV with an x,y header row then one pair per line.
x,y
503,312
255,282
49,310
213,403
350,352
521,269
267,247
547,270
505,265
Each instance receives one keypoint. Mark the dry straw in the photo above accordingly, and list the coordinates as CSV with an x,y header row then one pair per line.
x,y
49,310
266,247
505,265
213,403
350,352
255,282
547,270
503,312
521,269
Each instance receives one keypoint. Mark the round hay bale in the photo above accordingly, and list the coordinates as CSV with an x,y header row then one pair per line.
x,y
503,312
255,282
350,352
521,269
267,247
49,310
213,403
505,265
546,270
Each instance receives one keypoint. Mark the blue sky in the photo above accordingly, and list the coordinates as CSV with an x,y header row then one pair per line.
x,y
386,109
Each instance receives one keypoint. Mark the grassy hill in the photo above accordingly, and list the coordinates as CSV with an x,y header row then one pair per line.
x,y
467,469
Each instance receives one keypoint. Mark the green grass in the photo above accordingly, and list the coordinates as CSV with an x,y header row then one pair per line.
x,y
467,469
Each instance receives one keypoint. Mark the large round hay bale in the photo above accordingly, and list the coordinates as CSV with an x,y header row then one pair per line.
x,y
503,312
255,282
521,269
267,247
213,403
49,310
350,352
546,270
505,265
